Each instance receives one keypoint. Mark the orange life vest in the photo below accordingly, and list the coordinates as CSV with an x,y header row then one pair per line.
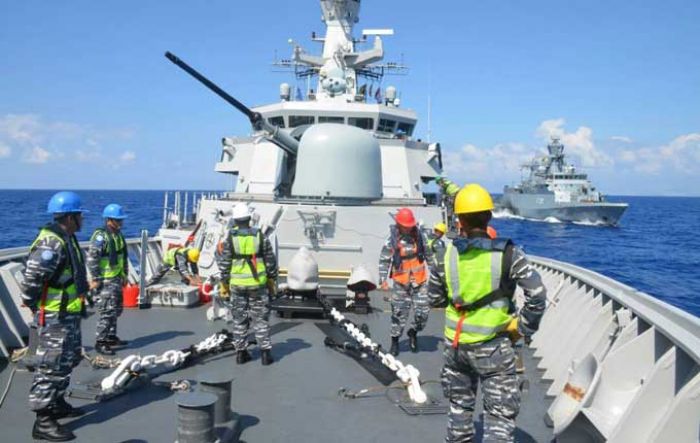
x,y
409,265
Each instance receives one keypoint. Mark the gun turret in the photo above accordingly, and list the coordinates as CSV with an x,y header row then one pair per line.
x,y
286,142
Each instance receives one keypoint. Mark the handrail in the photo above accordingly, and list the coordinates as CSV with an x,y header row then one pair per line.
x,y
677,325
10,254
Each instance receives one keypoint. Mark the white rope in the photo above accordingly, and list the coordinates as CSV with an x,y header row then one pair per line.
x,y
408,374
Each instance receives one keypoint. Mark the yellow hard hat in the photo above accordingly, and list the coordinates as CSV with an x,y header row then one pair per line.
x,y
193,255
473,198
440,227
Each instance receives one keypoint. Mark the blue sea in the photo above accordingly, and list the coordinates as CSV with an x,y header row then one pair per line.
x,y
656,248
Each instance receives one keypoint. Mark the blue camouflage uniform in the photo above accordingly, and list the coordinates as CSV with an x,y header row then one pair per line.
x,y
475,354
108,263
246,263
53,288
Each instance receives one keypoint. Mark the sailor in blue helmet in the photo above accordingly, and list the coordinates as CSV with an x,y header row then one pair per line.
x,y
54,288
107,261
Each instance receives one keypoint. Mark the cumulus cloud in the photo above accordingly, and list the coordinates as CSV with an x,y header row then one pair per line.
x,y
579,144
680,155
37,155
40,139
621,138
494,166
127,157
5,150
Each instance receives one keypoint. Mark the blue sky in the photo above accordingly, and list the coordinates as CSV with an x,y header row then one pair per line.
x,y
87,99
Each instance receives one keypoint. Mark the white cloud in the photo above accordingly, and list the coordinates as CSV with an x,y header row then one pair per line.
x,y
579,144
37,155
87,156
128,157
5,150
20,128
621,138
493,166
680,155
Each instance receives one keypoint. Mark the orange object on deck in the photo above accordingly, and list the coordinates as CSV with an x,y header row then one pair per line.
x,y
204,291
130,295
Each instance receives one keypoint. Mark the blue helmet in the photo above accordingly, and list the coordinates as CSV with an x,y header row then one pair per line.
x,y
114,211
65,202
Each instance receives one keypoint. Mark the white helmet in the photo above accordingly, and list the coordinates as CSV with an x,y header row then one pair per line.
x,y
241,211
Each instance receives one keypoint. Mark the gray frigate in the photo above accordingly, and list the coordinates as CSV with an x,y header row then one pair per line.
x,y
555,189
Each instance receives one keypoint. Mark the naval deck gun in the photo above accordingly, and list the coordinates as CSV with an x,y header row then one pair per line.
x,y
330,161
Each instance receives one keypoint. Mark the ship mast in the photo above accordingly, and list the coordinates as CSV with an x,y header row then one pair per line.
x,y
340,65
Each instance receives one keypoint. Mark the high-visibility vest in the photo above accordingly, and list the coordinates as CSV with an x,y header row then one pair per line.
x,y
169,258
248,265
474,277
408,265
112,259
62,285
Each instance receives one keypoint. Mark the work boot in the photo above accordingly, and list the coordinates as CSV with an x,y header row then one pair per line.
x,y
266,357
413,340
103,348
63,409
394,346
242,357
113,340
47,428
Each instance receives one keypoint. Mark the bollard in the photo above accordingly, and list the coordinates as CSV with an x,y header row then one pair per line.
x,y
195,418
218,384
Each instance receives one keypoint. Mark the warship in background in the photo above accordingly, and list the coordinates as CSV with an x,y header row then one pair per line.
x,y
324,175
558,190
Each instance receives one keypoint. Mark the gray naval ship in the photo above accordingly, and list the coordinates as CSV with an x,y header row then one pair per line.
x,y
556,189
324,175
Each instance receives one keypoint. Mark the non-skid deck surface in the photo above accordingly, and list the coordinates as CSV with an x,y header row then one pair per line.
x,y
295,399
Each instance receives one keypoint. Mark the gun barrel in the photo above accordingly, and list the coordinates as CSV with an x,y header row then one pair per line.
x,y
213,87
286,142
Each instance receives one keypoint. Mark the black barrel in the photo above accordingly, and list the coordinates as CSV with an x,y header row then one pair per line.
x,y
195,417
218,384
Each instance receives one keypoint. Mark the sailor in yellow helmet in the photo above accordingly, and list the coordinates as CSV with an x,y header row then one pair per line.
x,y
478,280
184,259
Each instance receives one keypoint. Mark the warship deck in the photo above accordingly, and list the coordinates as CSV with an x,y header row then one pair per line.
x,y
295,399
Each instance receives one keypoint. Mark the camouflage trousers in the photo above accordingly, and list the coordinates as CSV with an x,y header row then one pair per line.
x,y
109,305
402,299
249,309
58,352
492,364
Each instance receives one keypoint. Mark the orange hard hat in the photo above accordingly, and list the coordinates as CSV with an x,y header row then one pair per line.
x,y
405,218
491,232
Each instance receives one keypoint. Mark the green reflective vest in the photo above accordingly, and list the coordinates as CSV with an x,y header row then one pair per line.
x,y
110,268
62,285
471,276
248,265
451,189
169,258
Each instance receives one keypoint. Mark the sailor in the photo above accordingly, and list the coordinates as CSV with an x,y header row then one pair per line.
x,y
436,242
184,259
405,259
478,280
54,288
248,268
108,263
448,190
